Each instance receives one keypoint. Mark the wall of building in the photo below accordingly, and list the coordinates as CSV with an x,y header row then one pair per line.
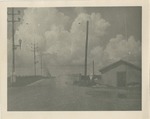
x,y
110,77
133,75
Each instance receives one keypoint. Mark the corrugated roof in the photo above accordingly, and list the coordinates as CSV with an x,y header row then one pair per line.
x,y
111,66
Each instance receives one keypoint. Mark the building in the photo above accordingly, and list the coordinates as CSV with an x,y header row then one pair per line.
x,y
121,74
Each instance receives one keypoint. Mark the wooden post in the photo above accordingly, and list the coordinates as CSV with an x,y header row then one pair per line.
x,y
93,67
86,48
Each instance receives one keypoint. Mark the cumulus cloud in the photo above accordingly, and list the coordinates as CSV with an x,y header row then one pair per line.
x,y
122,48
48,28
58,43
97,28
42,27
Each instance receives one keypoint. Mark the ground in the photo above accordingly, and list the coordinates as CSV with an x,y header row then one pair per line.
x,y
58,94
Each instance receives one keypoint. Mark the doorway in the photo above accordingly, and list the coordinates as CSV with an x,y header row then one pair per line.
x,y
121,79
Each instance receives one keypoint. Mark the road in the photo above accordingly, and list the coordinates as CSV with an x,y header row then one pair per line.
x,y
57,95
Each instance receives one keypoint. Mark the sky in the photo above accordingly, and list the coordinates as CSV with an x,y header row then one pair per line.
x,y
60,33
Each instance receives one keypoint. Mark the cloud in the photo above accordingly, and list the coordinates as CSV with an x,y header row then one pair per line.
x,y
37,23
120,48
48,28
70,45
59,43
97,28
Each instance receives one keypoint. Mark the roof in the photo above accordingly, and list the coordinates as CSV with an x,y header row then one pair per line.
x,y
111,66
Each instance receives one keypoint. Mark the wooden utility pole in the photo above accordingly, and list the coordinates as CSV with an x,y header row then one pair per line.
x,y
35,48
93,67
86,48
13,39
34,54
125,23
41,64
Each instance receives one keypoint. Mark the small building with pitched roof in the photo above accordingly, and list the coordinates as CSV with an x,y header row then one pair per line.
x,y
120,74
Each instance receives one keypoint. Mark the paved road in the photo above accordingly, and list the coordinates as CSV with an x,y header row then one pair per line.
x,y
56,95
48,94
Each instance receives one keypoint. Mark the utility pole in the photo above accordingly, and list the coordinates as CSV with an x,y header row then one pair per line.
x,y
34,56
93,67
41,63
41,55
86,48
125,23
34,50
13,39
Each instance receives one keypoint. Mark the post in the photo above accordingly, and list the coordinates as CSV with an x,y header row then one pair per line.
x,y
13,40
125,23
41,64
86,48
13,46
34,55
34,52
93,67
